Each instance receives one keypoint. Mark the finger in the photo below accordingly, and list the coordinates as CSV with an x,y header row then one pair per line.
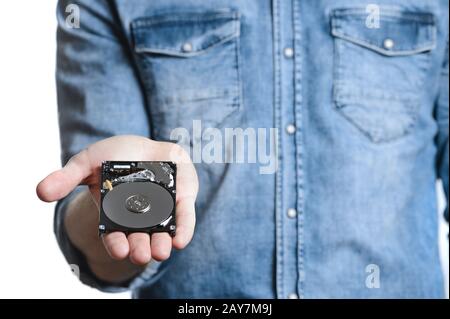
x,y
60,183
161,245
185,218
140,252
116,245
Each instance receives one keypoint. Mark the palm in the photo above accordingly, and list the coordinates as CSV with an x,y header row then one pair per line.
x,y
84,168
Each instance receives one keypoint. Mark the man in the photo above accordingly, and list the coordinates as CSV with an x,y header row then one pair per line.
x,y
359,95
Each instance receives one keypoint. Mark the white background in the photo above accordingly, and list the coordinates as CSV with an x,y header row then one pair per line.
x,y
31,264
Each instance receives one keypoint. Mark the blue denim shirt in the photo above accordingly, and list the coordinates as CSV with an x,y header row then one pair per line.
x,y
359,95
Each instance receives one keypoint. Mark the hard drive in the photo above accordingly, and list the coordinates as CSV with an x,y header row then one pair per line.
x,y
137,197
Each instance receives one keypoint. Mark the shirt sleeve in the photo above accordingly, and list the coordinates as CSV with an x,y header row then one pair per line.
x,y
443,124
99,95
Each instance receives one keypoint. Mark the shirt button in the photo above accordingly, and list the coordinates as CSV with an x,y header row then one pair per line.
x,y
388,44
292,296
288,52
292,213
187,47
290,129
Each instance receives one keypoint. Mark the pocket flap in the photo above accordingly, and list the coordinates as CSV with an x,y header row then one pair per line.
x,y
184,34
399,32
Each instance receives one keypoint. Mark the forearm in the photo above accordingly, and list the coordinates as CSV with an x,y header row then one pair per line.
x,y
81,224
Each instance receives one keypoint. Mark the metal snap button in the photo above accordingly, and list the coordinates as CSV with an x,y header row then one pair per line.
x,y
187,47
388,44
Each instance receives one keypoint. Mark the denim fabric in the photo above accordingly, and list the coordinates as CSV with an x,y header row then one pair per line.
x,y
366,107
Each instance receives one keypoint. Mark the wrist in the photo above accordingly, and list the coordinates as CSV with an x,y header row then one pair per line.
x,y
80,224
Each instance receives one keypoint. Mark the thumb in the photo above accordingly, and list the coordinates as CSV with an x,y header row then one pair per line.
x,y
61,182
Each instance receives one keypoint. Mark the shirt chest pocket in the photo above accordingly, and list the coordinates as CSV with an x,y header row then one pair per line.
x,y
189,63
379,70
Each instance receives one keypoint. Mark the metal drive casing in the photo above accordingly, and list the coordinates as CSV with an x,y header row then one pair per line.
x,y
137,196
